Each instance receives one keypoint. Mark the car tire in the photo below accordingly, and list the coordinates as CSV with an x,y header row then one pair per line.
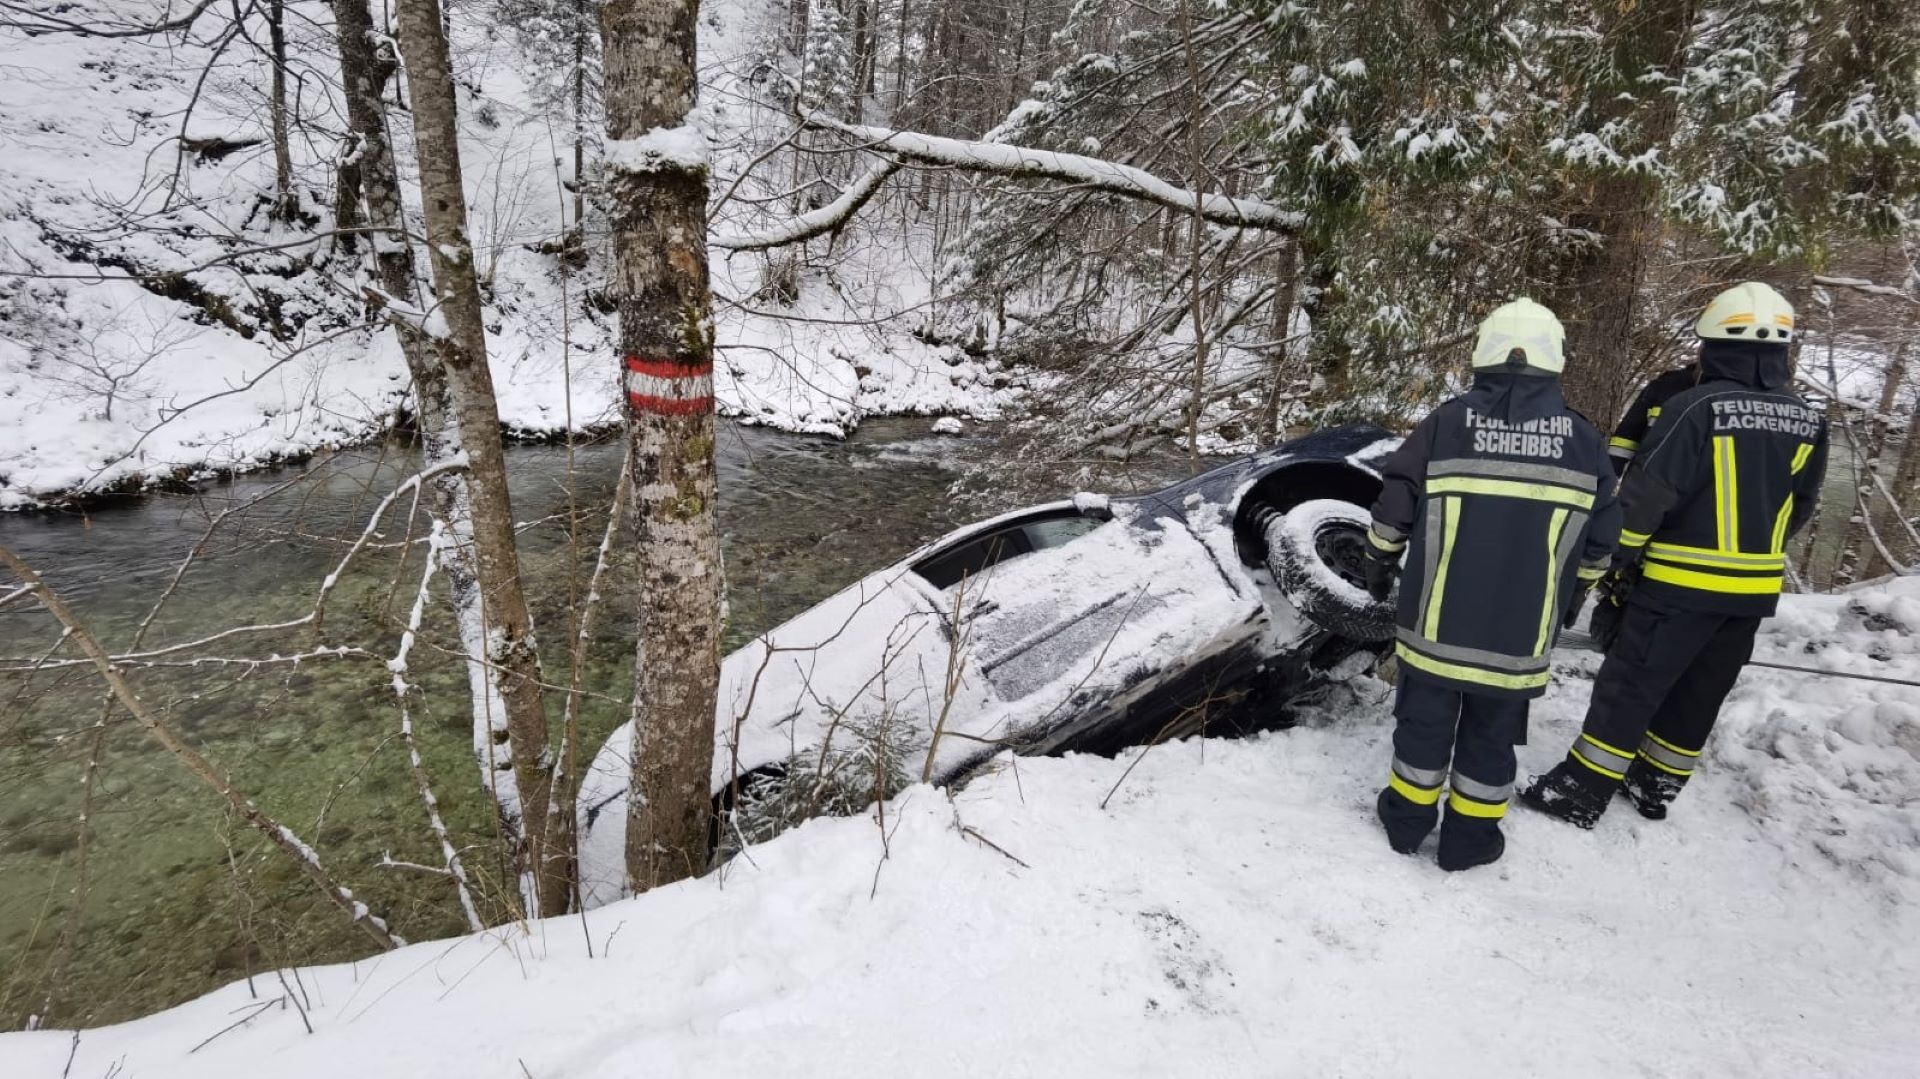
x,y
1316,551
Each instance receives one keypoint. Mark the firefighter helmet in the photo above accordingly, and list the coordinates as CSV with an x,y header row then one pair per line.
x,y
1525,332
1749,311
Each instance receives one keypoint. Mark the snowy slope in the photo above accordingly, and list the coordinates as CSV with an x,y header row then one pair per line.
x,y
87,144
1232,910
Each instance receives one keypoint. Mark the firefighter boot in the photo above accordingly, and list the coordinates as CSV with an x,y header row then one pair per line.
x,y
1466,844
1406,823
1563,794
1650,790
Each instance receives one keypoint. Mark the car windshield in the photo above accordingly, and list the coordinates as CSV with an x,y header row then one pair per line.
x,y
1010,539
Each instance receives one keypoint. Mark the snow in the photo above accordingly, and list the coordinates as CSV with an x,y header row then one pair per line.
x,y
682,147
1094,172
1224,908
89,123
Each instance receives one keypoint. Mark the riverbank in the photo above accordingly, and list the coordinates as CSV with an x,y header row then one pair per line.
x,y
1204,908
181,898
158,327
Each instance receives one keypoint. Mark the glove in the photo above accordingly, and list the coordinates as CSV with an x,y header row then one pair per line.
x,y
1605,627
1611,608
1382,568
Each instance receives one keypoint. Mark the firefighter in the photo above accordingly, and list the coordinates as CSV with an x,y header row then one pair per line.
x,y
1730,471
1646,409
1502,501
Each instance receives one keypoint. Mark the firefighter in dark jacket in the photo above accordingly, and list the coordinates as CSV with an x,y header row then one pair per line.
x,y
1730,471
1502,500
1647,408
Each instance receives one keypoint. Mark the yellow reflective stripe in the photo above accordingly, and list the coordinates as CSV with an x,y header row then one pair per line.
x,y
1534,492
1417,795
1780,527
1621,753
1644,759
1713,582
1623,443
1653,413
1608,772
1450,527
1726,494
1475,675
1630,538
1467,807
1554,529
1591,573
1677,552
1662,742
1383,543
1800,457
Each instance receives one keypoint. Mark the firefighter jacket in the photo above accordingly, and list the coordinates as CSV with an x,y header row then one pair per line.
x,y
1500,498
1731,469
1647,408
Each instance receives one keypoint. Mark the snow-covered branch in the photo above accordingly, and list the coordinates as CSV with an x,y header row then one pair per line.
x,y
815,222
1109,176
1870,288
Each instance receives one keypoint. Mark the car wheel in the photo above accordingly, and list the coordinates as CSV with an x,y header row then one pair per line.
x,y
1317,552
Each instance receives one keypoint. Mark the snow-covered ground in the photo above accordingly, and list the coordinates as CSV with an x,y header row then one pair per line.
x,y
105,383
1231,909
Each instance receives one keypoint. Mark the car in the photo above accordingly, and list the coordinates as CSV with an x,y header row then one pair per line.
x,y
1216,605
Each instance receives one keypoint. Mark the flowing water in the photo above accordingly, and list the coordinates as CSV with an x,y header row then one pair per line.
x,y
181,897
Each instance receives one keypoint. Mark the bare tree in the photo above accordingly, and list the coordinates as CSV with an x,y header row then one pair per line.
x,y
456,322
658,170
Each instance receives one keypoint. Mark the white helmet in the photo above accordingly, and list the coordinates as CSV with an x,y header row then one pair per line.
x,y
1524,327
1749,311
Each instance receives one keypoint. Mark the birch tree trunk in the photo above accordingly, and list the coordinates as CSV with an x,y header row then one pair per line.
x,y
366,68
496,613
658,175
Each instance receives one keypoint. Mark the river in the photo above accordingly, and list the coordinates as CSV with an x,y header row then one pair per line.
x,y
182,898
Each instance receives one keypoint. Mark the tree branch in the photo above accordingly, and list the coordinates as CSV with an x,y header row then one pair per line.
x,y
1109,176
814,222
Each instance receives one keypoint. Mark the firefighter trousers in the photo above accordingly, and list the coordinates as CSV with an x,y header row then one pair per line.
x,y
1658,694
1464,741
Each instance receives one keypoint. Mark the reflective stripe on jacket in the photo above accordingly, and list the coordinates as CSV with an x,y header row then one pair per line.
x,y
1645,410
1731,470
1497,517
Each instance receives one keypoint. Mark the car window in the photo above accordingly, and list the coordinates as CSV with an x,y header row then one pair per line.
x,y
1059,531
974,555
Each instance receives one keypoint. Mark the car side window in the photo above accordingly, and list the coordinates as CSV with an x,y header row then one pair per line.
x,y
1060,531
976,554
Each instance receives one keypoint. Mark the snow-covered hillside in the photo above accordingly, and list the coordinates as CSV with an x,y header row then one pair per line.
x,y
1232,909
104,382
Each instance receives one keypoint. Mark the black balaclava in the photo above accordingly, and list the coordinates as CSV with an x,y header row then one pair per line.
x,y
1759,364
1515,393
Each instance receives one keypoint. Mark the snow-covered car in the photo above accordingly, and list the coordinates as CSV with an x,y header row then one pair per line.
x,y
1084,625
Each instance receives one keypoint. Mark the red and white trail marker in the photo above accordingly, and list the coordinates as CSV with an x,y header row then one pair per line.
x,y
667,388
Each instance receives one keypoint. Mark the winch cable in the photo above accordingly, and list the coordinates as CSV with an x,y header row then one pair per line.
x,y
1581,639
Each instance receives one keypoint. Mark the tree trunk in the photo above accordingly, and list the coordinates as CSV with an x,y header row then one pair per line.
x,y
285,204
580,23
365,70
666,344
474,428
1878,431
1597,293
1286,292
